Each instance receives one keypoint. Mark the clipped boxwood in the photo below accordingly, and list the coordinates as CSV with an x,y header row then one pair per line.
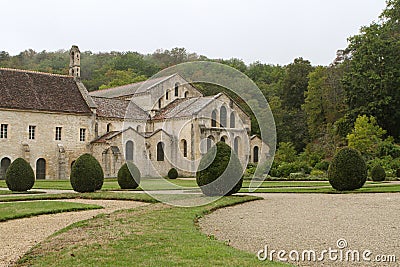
x,y
86,174
173,173
348,170
378,174
128,176
20,176
220,172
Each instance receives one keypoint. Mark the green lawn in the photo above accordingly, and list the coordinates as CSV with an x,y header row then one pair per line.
x,y
154,235
9,211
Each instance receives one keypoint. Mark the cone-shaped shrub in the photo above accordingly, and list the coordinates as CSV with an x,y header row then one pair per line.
x,y
173,173
20,176
86,174
128,176
378,174
348,170
220,172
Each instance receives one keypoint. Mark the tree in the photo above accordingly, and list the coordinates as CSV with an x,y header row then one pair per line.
x,y
372,79
366,136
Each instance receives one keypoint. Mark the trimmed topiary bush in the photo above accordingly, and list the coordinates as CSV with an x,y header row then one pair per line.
x,y
348,170
220,172
173,173
86,174
128,176
378,174
20,176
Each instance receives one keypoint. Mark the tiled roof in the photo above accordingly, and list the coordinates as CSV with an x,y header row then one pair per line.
x,y
29,90
129,89
184,107
105,137
116,108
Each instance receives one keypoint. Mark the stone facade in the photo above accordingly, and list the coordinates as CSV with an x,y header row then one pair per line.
x,y
158,124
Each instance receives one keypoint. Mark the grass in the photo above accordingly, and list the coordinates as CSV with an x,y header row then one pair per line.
x,y
154,235
9,211
96,195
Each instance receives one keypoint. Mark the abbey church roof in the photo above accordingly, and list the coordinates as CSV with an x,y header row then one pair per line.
x,y
130,89
29,90
120,109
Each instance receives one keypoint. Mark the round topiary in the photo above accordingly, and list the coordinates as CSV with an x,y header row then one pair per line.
x,y
348,170
173,173
20,176
86,174
220,172
128,176
378,174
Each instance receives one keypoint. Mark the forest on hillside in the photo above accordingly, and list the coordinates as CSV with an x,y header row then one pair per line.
x,y
354,101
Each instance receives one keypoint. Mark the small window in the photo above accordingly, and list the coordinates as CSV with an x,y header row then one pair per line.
x,y
167,95
82,134
58,133
160,151
32,130
186,94
109,127
222,117
184,147
214,119
159,103
255,154
223,139
177,89
232,120
4,131
129,151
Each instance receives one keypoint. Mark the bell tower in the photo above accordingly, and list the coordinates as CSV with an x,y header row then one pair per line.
x,y
75,62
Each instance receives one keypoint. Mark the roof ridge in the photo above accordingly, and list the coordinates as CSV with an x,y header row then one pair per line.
x,y
197,98
37,72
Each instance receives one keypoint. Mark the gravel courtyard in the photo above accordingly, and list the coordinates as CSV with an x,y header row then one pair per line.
x,y
312,222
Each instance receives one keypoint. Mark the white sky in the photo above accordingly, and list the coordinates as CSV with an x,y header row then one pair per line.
x,y
271,31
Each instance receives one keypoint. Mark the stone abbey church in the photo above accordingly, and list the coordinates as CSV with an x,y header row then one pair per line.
x,y
50,120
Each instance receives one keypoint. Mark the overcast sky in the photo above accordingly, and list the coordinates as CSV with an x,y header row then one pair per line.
x,y
271,31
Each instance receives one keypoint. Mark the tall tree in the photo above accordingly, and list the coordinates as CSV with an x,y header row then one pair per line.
x,y
372,80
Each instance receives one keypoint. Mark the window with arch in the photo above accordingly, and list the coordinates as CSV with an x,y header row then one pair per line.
x,y
223,139
177,89
160,151
186,94
4,164
96,129
129,151
222,117
184,147
167,95
41,169
138,128
159,103
236,145
255,154
214,119
232,122
109,127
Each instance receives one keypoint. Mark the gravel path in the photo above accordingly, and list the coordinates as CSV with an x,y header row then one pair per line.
x,y
18,236
312,222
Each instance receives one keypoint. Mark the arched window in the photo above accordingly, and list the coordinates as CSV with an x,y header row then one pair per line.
x,y
177,89
232,120
109,127
214,119
159,103
210,141
40,169
236,145
255,154
222,117
160,151
223,139
129,151
167,95
186,94
138,128
184,147
4,164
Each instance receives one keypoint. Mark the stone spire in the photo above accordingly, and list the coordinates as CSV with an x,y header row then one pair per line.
x,y
75,62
